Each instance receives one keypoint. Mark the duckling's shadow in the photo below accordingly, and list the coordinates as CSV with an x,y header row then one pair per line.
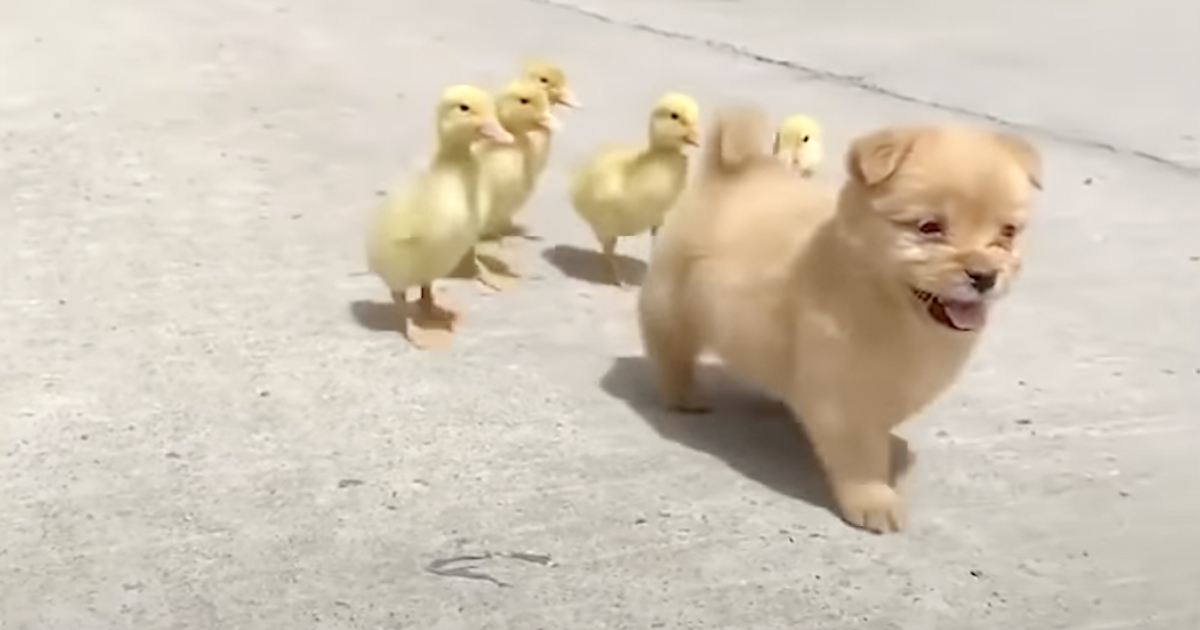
x,y
493,262
589,265
376,316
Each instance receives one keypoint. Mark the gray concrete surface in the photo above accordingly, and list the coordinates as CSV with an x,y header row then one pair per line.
x,y
198,432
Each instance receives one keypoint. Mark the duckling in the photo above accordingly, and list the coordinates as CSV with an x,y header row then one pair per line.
x,y
508,170
624,191
554,81
419,236
506,174
798,144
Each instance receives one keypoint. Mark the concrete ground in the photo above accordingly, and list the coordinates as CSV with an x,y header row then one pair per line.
x,y
200,430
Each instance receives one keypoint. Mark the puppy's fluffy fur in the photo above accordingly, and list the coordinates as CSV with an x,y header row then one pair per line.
x,y
855,308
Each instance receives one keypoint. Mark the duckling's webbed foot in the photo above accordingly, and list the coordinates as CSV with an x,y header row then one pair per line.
x,y
495,281
468,266
429,309
495,273
493,270
431,325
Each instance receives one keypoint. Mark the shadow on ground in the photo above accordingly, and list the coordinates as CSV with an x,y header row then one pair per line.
x,y
376,316
751,433
589,266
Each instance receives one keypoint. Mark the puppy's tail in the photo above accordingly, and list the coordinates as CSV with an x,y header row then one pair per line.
x,y
739,135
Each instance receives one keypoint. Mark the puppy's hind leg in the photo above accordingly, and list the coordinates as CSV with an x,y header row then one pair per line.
x,y
672,348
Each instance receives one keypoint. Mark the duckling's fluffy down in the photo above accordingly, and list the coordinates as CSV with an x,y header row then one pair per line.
x,y
421,236
625,192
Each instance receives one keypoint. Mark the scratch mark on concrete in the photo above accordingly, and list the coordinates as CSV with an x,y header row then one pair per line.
x,y
532,558
442,567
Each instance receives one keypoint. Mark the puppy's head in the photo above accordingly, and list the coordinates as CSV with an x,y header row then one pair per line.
x,y
939,213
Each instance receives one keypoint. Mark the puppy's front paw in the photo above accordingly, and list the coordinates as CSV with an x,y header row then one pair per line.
x,y
874,506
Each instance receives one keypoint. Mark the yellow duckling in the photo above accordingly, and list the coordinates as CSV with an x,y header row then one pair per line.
x,y
421,235
554,81
624,191
507,171
798,144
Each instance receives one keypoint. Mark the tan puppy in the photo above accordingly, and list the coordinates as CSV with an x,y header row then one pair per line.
x,y
856,309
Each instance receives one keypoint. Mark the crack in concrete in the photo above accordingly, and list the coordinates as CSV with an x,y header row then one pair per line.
x,y
860,83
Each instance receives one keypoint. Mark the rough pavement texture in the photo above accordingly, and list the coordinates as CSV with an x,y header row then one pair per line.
x,y
199,432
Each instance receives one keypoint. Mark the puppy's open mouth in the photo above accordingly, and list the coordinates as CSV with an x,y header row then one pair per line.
x,y
954,314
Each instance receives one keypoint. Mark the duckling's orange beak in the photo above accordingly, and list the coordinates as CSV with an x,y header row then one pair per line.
x,y
549,122
566,98
494,131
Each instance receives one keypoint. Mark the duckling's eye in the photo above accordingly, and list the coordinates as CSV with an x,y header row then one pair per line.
x,y
804,139
930,227
674,116
463,107
543,79
524,101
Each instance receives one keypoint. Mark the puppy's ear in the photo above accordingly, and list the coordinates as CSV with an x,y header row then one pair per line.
x,y
1025,155
875,157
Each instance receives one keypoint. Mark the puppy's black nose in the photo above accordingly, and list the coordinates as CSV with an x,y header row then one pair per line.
x,y
983,281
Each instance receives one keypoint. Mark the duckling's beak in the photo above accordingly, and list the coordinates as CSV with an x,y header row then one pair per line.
x,y
549,122
494,131
567,98
692,137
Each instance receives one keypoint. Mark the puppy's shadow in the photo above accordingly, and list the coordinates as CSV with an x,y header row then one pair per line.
x,y
589,266
376,316
751,433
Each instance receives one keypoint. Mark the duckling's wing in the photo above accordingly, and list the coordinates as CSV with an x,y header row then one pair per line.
x,y
399,217
605,175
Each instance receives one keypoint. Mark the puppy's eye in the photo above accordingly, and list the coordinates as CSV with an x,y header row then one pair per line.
x,y
929,227
1008,232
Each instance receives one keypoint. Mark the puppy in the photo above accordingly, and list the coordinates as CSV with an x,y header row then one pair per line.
x,y
856,308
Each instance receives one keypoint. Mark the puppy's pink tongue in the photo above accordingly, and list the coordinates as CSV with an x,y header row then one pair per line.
x,y
966,315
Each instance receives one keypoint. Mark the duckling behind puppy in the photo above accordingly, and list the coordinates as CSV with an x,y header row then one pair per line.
x,y
624,191
419,236
798,144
